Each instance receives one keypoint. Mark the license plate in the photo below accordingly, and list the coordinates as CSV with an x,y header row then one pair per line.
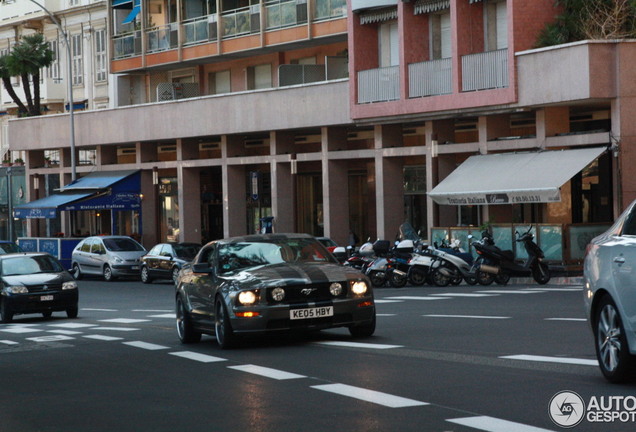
x,y
46,298
135,267
318,312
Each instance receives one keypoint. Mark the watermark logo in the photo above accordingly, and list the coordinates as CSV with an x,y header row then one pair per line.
x,y
567,409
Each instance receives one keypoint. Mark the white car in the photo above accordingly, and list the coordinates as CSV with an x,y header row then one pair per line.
x,y
610,296
107,256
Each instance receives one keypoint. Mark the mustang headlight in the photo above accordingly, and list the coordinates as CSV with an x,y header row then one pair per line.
x,y
69,285
359,287
335,289
278,294
247,298
16,289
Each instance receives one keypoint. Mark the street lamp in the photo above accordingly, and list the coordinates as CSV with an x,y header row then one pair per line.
x,y
69,87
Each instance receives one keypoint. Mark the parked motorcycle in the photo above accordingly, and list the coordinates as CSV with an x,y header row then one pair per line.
x,y
452,266
499,265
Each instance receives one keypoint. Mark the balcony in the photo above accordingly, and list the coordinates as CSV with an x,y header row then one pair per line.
x,y
127,44
483,71
282,13
162,38
430,78
379,85
239,22
200,30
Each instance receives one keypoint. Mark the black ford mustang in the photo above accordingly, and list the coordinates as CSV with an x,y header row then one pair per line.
x,y
268,283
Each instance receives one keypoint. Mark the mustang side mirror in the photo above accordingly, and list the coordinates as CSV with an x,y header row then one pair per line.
x,y
202,268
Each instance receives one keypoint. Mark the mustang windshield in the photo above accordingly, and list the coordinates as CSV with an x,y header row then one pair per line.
x,y
241,255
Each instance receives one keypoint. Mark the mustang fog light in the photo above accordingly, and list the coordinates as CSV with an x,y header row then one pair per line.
x,y
335,289
247,298
278,294
359,287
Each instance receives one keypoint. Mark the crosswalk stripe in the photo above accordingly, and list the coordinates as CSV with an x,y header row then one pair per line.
x,y
8,342
266,372
508,292
372,396
491,424
416,298
565,360
359,345
467,316
197,356
465,295
145,345
52,338
102,337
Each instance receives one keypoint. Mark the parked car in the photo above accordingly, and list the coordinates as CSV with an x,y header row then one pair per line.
x,y
165,260
270,283
35,282
610,298
107,256
9,247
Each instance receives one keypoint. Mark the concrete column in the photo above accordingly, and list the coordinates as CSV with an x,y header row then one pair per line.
x,y
149,210
335,186
146,152
189,204
187,150
234,207
389,196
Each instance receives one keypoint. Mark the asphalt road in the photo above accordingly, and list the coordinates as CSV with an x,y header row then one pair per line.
x,y
464,358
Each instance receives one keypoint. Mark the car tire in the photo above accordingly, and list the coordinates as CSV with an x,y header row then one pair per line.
x,y
185,330
612,351
145,275
222,327
72,312
6,314
175,275
77,273
364,330
108,274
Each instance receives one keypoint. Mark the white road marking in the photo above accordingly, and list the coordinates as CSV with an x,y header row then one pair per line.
x,y
103,337
197,357
385,315
266,372
566,319
170,315
55,338
8,342
491,424
123,329
152,310
359,345
100,310
566,360
124,320
387,301
72,325
467,316
508,292
465,295
555,289
372,396
146,345
64,332
417,298
18,330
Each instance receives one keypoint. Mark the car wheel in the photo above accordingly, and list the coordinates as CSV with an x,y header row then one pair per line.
x,y
222,326
502,278
72,312
77,273
612,350
145,276
186,332
364,330
108,274
6,314
417,276
378,278
541,273
175,275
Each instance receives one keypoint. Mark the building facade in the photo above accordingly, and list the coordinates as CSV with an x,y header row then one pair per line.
x,y
336,116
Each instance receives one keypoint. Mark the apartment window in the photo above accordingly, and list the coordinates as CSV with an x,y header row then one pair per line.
x,y
388,44
78,63
53,71
440,29
100,55
496,25
74,2
219,82
259,77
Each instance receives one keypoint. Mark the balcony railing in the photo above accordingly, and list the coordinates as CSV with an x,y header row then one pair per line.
x,y
329,9
285,13
431,78
379,85
242,21
200,30
488,70
127,45
162,38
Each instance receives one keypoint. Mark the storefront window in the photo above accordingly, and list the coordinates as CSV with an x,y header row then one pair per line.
x,y
309,199
169,202
415,197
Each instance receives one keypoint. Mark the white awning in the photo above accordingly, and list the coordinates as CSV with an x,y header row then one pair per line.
x,y
428,6
378,15
513,178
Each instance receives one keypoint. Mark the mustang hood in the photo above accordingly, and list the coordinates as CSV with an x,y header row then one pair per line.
x,y
293,274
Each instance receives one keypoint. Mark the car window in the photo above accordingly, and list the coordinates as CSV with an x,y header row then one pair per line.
x,y
25,265
629,228
166,250
86,246
207,256
98,247
9,248
156,250
187,252
122,245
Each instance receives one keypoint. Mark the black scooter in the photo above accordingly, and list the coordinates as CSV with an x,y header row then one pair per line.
x,y
498,265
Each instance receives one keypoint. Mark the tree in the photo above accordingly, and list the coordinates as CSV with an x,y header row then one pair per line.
x,y
25,60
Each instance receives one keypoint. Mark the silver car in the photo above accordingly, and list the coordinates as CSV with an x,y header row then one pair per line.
x,y
610,296
107,256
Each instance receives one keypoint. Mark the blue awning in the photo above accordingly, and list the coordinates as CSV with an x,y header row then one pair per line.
x,y
132,15
98,180
47,207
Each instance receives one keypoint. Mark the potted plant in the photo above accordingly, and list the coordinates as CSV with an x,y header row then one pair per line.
x,y
6,162
18,162
47,162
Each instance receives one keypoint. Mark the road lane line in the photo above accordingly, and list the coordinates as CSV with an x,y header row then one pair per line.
x,y
170,315
508,292
417,298
266,372
8,342
18,330
64,332
491,424
566,360
72,325
468,316
359,345
190,355
124,321
122,329
372,396
465,295
146,345
103,337
379,301
99,310
566,319
52,338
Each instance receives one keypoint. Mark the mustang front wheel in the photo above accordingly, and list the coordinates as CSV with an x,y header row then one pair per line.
x,y
186,332
222,327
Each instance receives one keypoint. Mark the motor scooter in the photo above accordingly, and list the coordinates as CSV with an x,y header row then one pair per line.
x,y
500,265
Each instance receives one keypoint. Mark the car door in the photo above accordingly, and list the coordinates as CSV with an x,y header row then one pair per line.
x,y
152,259
165,261
202,290
98,256
82,255
622,259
